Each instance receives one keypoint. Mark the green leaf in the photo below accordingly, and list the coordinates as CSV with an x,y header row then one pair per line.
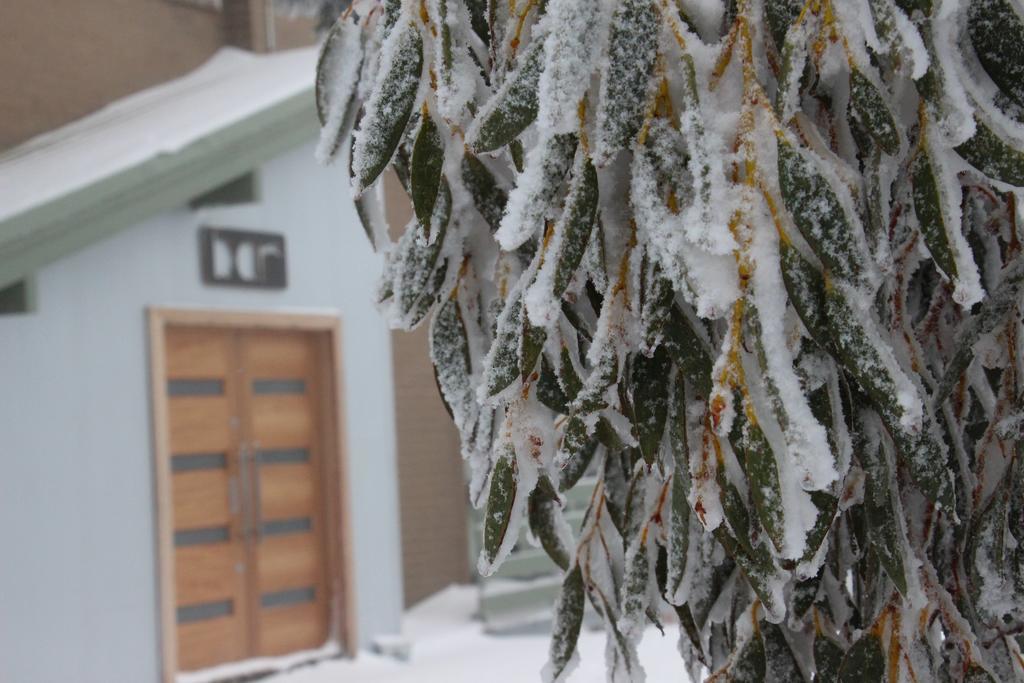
x,y
750,663
794,65
688,351
542,509
365,213
503,368
928,207
994,310
578,450
592,396
805,592
337,70
623,97
989,552
993,156
976,673
884,532
780,663
570,381
478,10
449,351
635,585
762,472
536,190
444,65
817,212
389,107
502,495
532,344
679,519
650,401
826,504
549,391
418,258
754,561
870,106
857,352
568,620
512,108
806,289
488,197
864,661
656,299
828,657
392,10
780,14
575,225
995,29
425,168
634,512
735,511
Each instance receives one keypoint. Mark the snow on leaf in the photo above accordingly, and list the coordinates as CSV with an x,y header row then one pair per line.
x,y
624,92
390,105
512,108
337,72
573,41
565,249
995,28
449,351
936,193
563,658
536,187
812,202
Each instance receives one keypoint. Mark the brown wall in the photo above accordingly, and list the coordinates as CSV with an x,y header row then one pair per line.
x,y
62,59
430,484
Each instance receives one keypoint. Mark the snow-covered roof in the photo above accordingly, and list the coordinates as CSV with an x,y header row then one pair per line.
x,y
177,132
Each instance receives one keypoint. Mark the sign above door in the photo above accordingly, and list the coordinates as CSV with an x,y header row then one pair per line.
x,y
242,258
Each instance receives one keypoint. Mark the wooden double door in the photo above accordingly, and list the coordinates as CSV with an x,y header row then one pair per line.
x,y
245,425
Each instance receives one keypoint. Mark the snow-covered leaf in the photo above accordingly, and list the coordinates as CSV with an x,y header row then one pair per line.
x,y
500,503
425,168
812,202
512,108
997,158
390,104
622,102
995,29
870,105
562,658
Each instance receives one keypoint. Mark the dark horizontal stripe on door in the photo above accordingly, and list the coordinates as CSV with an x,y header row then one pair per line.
x,y
279,386
284,456
204,611
195,387
189,462
292,596
281,527
187,537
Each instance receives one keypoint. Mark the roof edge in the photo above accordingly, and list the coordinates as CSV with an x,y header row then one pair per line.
x,y
166,181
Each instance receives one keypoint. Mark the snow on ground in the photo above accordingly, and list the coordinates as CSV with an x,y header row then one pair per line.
x,y
448,646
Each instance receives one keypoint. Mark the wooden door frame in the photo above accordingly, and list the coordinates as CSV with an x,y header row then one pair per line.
x,y
341,571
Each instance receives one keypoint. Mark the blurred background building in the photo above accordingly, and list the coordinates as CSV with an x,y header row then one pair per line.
x,y
214,451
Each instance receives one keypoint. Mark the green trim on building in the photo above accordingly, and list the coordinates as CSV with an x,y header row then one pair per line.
x,y
34,238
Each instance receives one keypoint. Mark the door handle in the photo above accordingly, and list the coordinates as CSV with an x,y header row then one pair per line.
x,y
243,470
234,504
257,494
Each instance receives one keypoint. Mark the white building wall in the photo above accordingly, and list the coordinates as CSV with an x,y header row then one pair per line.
x,y
78,583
